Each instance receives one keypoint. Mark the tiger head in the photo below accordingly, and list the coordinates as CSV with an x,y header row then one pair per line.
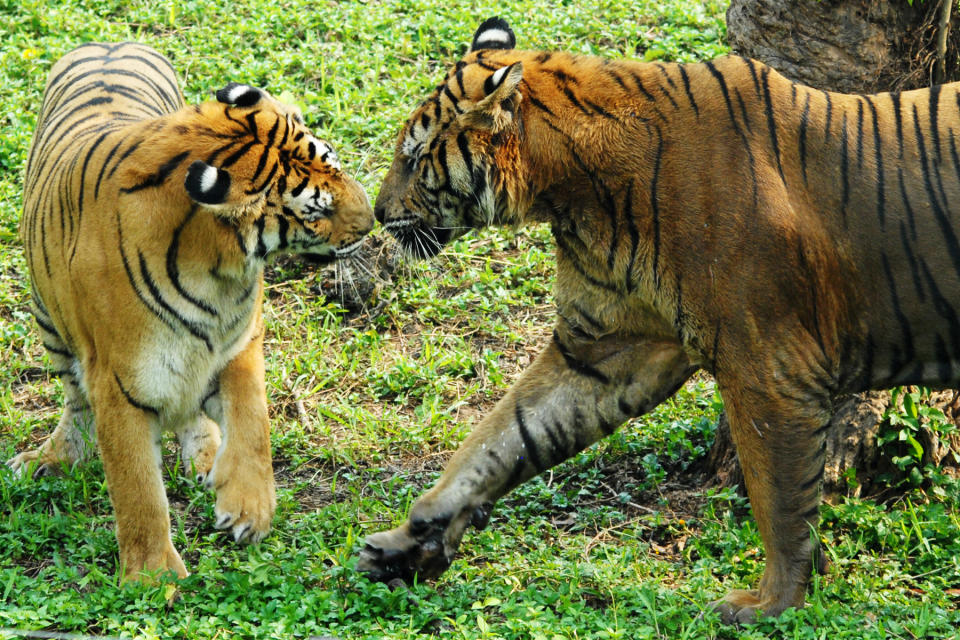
x,y
272,178
457,154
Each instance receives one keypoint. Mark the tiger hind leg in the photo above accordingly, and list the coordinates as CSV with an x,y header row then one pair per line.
x,y
74,438
199,440
781,446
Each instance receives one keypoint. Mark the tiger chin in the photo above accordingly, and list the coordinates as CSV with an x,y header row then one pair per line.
x,y
146,226
795,244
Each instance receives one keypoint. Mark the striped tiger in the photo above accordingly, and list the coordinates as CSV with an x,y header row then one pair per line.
x,y
146,226
795,244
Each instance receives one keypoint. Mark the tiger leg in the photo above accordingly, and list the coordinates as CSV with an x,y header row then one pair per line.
x,y
571,396
128,436
199,439
242,473
72,440
781,444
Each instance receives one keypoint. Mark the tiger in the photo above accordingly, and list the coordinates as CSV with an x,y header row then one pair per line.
x,y
795,244
146,227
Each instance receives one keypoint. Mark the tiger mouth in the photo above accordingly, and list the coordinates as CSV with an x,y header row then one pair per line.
x,y
418,238
348,250
334,254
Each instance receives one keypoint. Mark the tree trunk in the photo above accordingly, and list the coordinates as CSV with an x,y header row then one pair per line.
x,y
853,46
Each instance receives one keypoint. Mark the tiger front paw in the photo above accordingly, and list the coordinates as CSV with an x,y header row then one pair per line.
x,y
393,554
199,443
245,504
144,563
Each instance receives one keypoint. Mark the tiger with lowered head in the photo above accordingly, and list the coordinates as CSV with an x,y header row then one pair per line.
x,y
147,225
794,243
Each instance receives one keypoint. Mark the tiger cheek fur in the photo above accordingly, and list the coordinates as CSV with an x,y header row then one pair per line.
x,y
794,243
146,226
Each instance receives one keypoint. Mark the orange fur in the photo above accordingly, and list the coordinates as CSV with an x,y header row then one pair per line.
x,y
147,225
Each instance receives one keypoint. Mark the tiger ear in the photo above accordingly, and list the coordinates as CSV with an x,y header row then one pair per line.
x,y
207,184
240,95
494,33
211,187
495,112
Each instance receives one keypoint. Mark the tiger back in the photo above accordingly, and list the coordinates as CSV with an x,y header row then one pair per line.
x,y
146,227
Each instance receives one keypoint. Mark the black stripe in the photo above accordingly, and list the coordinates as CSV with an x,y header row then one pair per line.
x,y
812,482
528,442
558,449
655,210
236,155
753,73
859,134
162,173
673,101
600,110
283,228
912,259
686,87
771,122
906,203
935,122
953,150
154,290
743,110
844,170
266,181
946,230
573,99
261,164
572,255
464,147
943,308
103,167
898,116
537,103
641,88
133,402
173,269
261,250
578,366
878,161
616,77
57,350
634,234
804,122
124,156
583,313
826,132
906,332
736,127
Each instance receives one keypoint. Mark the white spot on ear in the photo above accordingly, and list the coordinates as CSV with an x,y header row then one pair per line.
x,y
208,179
492,35
238,91
498,75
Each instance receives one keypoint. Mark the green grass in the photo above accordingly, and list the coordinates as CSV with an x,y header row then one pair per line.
x,y
366,406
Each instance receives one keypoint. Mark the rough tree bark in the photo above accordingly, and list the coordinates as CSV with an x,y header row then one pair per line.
x,y
853,46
